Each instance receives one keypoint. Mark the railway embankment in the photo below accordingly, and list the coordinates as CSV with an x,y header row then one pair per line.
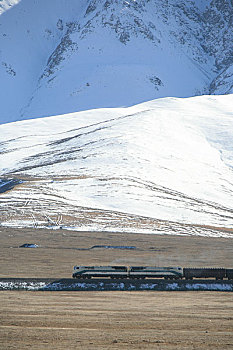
x,y
66,284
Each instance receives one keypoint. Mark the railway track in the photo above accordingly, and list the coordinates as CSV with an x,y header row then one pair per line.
x,y
107,284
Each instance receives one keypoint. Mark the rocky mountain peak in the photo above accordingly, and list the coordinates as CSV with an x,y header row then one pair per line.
x,y
111,53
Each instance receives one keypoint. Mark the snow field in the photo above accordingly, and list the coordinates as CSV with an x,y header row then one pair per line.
x,y
168,159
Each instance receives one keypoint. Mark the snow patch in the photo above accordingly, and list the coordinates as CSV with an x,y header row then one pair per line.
x,y
212,286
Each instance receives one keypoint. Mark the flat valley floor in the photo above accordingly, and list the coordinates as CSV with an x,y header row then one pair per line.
x,y
111,320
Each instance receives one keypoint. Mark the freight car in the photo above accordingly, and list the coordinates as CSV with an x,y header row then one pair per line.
x,y
142,272
229,274
217,273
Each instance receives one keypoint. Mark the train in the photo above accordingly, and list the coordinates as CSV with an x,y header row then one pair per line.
x,y
143,272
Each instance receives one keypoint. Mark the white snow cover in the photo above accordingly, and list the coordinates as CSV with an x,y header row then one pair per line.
x,y
169,159
61,56
7,4
10,285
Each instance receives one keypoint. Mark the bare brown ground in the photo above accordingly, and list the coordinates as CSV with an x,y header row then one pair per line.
x,y
57,255
111,320
116,320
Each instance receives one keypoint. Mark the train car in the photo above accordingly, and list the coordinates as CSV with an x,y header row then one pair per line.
x,y
229,274
155,272
142,272
217,273
100,271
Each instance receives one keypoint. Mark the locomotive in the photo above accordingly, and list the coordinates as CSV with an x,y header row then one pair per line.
x,y
142,272
139,272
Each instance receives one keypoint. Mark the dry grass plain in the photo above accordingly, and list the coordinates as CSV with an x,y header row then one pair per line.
x,y
58,251
111,320
116,320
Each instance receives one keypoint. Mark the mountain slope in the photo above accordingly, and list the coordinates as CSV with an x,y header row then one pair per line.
x,y
58,57
160,166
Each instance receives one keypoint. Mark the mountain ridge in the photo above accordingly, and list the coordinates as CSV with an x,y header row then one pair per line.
x,y
161,166
110,53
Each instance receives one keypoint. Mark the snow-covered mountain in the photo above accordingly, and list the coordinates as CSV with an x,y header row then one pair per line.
x,y
62,56
117,144
162,166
